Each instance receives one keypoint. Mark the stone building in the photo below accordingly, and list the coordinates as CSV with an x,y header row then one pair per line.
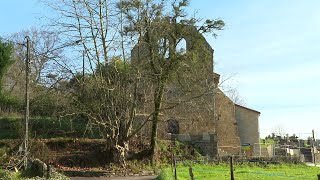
x,y
236,125
248,126
211,120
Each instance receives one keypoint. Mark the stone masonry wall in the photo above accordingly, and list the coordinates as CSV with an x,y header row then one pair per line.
x,y
207,143
227,128
248,124
212,113
190,85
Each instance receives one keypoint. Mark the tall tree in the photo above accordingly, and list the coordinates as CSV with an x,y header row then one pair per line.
x,y
159,32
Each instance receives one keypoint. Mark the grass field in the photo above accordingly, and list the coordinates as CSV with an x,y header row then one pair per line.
x,y
210,172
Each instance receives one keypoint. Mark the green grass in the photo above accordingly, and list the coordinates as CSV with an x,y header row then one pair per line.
x,y
209,172
267,142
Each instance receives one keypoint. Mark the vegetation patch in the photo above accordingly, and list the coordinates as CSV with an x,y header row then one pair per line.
x,y
42,127
24,175
222,171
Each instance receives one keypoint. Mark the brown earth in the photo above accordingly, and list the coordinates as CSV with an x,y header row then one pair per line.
x,y
83,157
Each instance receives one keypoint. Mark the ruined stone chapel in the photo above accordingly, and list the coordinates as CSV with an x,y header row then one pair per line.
x,y
208,118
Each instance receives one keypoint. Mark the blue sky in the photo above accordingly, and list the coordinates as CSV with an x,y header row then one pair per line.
x,y
271,46
16,15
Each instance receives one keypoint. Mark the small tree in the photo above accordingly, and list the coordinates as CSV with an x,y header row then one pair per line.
x,y
107,95
109,101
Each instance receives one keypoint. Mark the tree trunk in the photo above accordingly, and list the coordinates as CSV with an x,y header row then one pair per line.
x,y
153,143
119,152
155,119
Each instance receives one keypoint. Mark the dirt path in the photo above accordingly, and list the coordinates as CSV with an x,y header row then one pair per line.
x,y
116,178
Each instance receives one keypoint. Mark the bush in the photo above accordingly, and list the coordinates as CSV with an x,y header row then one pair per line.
x,y
166,174
9,103
39,150
7,175
4,158
10,128
45,105
28,175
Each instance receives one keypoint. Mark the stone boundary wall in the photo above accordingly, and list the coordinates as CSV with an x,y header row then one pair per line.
x,y
207,143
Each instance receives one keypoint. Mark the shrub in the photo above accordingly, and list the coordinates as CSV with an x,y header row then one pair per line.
x,y
9,103
39,150
166,174
3,156
10,128
7,175
45,104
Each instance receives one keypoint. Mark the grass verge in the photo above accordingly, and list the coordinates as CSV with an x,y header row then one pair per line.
x,y
269,172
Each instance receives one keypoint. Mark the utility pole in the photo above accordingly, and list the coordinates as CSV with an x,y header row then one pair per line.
x,y
26,138
83,53
313,151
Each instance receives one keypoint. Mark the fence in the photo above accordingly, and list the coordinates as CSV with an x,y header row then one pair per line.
x,y
302,154
275,151
232,171
258,154
291,150
208,145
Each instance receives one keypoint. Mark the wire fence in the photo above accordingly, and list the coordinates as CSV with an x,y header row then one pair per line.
x,y
197,172
285,149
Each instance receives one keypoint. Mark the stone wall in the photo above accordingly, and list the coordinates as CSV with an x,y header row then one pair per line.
x,y
189,88
227,128
194,117
248,124
201,107
206,143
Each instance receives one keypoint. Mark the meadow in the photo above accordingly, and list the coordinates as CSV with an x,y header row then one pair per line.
x,y
222,171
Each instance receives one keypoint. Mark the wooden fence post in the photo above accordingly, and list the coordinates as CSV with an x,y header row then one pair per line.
x,y
231,168
174,166
172,159
191,173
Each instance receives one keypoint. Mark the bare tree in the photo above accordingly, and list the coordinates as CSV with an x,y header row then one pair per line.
x,y
231,90
279,130
234,95
116,93
44,53
107,94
